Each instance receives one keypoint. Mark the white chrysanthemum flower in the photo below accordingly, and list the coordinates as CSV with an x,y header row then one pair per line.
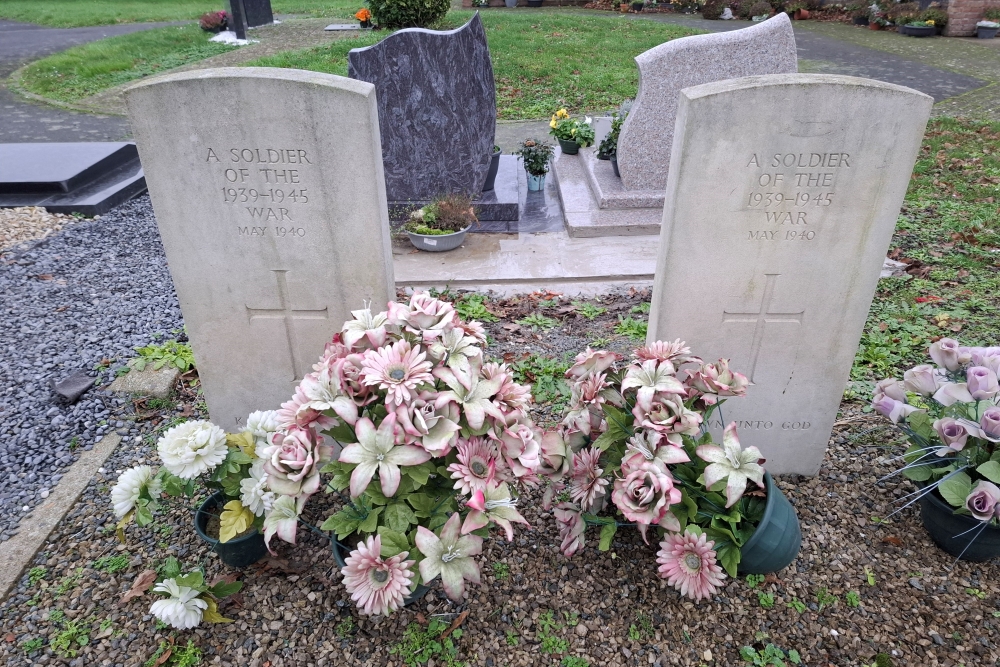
x,y
263,424
130,484
183,609
192,448
253,490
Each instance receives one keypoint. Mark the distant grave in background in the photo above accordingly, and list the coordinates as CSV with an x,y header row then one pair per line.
x,y
86,178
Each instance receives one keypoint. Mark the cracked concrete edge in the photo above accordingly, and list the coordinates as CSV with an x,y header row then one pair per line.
x,y
17,553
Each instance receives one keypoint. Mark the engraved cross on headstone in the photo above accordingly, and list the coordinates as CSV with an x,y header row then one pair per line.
x,y
289,315
761,318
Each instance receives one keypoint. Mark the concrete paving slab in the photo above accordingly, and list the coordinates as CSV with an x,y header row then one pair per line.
x,y
147,382
17,552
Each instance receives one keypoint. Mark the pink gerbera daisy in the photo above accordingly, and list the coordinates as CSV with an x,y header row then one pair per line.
x,y
586,485
476,467
377,585
397,369
687,562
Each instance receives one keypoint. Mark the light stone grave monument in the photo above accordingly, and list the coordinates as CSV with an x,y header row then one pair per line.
x,y
781,201
598,203
268,192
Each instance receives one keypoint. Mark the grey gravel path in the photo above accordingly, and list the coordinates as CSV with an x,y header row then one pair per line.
x,y
94,291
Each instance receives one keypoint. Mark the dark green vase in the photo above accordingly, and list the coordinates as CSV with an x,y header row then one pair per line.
x,y
239,552
569,147
775,543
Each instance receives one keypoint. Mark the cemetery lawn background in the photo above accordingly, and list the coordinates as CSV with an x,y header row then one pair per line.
x,y
78,13
863,584
542,60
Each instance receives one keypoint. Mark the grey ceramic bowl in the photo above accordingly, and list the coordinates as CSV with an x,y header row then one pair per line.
x,y
437,243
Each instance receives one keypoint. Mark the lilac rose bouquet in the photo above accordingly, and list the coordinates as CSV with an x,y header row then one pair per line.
x,y
435,441
950,412
634,449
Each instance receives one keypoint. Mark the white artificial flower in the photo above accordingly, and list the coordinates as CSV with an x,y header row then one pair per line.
x,y
253,490
183,609
263,424
192,448
130,484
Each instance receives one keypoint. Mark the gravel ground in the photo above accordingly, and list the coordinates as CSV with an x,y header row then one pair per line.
x,y
27,223
70,302
610,608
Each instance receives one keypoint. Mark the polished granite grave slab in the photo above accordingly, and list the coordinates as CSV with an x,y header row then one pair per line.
x,y
86,178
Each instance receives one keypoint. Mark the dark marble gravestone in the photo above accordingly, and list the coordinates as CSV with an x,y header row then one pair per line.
x,y
437,114
249,14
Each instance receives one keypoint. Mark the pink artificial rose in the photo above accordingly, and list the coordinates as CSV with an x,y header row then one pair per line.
x,y
990,422
424,315
645,494
985,356
984,501
892,388
590,361
719,380
668,415
952,433
891,408
950,393
521,448
947,353
982,383
293,461
571,528
921,380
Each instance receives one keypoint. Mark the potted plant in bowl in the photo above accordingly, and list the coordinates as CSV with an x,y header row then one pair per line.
x,y
442,224
214,22
197,457
365,17
608,150
859,13
987,28
936,14
634,450
950,413
571,132
491,175
535,155
918,29
436,440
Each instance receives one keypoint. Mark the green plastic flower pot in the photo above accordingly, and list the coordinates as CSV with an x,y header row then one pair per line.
x,y
240,552
775,543
342,551
569,147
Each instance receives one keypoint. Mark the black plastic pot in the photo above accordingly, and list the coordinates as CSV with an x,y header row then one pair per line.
x,y
342,551
955,532
614,164
860,20
776,542
986,33
240,552
569,147
637,6
534,3
491,175
918,31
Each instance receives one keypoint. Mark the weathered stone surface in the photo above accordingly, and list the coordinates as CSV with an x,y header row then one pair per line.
x,y
157,383
437,109
268,191
647,134
781,202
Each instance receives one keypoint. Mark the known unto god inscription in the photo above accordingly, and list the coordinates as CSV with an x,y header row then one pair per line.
x,y
269,195
782,196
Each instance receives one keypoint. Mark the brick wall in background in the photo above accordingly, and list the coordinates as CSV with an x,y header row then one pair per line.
x,y
964,14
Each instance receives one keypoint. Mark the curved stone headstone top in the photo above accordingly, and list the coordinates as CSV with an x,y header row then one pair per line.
x,y
437,108
648,132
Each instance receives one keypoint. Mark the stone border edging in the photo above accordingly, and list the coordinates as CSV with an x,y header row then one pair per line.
x,y
17,552
14,85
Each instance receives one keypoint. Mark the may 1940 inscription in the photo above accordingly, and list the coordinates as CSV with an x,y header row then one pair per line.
x,y
268,186
789,192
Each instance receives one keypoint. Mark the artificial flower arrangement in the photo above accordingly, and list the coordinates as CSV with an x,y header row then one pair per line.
x,y
364,16
635,434
573,130
214,21
187,599
950,412
434,441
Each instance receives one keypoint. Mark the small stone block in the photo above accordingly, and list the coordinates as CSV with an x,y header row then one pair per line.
x,y
147,382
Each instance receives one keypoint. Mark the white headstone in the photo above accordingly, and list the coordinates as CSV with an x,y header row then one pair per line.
x,y
268,191
781,202
664,70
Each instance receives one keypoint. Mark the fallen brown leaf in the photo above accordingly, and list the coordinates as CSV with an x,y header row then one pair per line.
x,y
893,540
141,584
455,624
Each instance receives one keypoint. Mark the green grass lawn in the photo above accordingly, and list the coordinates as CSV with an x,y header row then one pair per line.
x,y
90,68
542,60
950,229
75,13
